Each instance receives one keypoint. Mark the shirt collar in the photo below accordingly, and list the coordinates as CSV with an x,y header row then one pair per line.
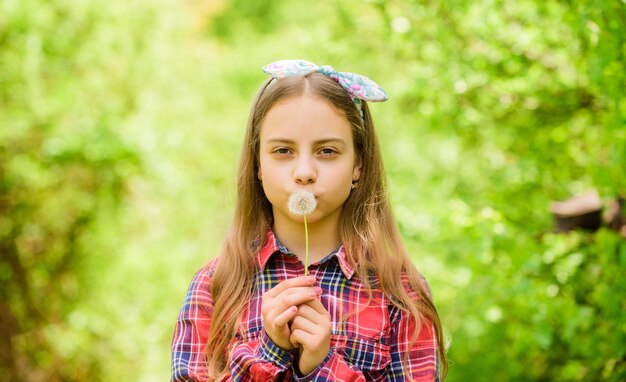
x,y
273,245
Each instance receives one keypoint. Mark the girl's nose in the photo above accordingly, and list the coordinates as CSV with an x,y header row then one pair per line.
x,y
304,172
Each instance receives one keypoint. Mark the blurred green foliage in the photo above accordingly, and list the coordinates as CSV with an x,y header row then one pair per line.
x,y
120,126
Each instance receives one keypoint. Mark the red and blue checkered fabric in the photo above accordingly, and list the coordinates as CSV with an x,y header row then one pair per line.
x,y
369,337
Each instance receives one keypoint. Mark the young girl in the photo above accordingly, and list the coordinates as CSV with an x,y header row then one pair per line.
x,y
364,313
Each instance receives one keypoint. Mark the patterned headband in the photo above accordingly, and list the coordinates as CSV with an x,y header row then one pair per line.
x,y
358,87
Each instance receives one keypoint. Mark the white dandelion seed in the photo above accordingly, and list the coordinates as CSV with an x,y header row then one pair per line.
x,y
302,203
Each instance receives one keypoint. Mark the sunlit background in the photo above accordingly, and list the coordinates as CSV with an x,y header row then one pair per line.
x,y
121,124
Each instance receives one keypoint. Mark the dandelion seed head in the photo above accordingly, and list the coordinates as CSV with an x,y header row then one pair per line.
x,y
302,203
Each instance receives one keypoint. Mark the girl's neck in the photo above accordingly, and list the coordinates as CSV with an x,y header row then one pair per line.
x,y
323,238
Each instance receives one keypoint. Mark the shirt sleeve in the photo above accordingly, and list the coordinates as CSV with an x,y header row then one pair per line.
x,y
252,360
333,368
421,365
259,360
189,361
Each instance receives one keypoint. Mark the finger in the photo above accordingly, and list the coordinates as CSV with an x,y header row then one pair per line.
x,y
294,297
286,316
317,305
303,323
301,337
314,291
290,283
292,294
307,312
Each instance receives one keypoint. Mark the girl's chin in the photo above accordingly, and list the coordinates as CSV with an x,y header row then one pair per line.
x,y
300,219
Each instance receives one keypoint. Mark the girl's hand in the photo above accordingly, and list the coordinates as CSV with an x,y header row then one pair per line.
x,y
310,331
280,305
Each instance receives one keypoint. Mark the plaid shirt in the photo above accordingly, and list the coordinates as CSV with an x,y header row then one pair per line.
x,y
369,344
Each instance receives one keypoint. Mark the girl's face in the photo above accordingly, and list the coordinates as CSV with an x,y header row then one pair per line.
x,y
306,144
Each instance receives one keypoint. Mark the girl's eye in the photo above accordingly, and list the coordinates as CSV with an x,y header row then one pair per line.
x,y
328,151
281,150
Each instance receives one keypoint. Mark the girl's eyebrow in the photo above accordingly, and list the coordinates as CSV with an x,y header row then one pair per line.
x,y
318,142
330,140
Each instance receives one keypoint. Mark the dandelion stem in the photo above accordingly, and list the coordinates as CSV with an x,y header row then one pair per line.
x,y
306,248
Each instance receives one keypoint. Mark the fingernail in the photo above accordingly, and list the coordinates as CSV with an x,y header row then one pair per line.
x,y
318,290
311,279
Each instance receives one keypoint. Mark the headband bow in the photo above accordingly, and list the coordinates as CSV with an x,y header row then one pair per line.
x,y
358,87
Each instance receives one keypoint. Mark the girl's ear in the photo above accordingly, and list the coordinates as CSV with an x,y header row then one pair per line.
x,y
356,172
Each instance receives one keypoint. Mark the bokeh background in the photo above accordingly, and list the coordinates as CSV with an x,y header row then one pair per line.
x,y
121,124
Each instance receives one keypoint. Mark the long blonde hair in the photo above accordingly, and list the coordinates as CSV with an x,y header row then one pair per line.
x,y
367,227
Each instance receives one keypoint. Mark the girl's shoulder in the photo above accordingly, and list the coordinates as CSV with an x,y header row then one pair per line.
x,y
417,290
210,266
415,285
421,281
202,278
